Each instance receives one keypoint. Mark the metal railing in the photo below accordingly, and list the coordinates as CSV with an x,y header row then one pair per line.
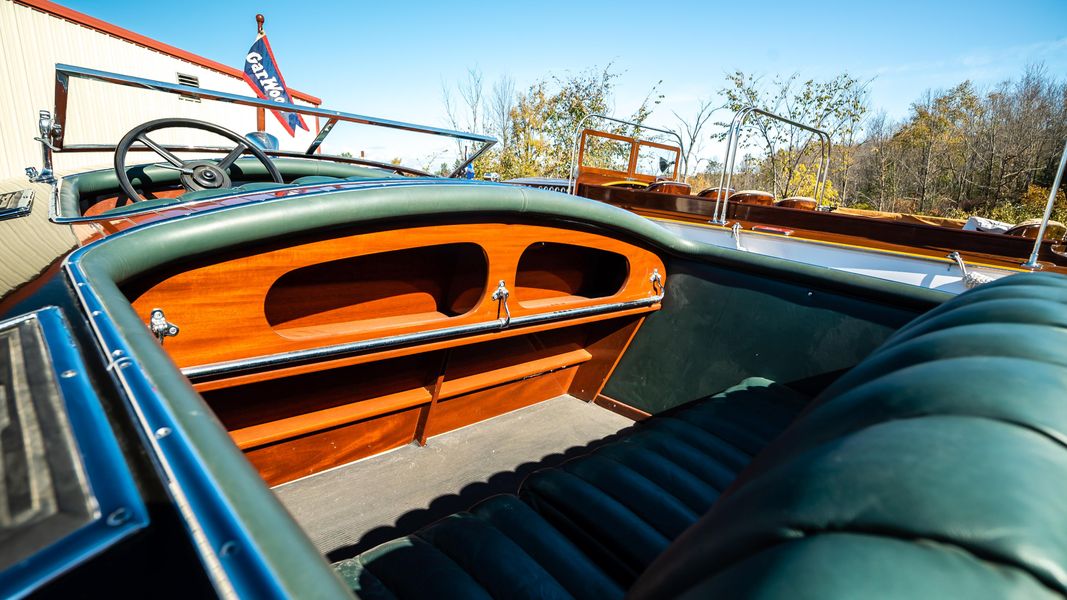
x,y
1032,262
65,72
733,141
573,174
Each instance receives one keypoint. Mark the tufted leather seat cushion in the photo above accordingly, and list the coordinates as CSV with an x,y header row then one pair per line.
x,y
597,521
626,502
937,467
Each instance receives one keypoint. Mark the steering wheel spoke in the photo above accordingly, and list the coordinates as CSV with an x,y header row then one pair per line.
x,y
193,174
234,154
160,150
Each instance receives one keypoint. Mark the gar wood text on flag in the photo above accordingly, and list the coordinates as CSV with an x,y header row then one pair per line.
x,y
262,73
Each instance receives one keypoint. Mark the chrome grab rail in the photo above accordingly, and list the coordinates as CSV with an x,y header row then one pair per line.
x,y
65,72
1032,262
409,339
733,140
572,176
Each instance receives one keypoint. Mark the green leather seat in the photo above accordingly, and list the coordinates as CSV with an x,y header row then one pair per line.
x,y
937,468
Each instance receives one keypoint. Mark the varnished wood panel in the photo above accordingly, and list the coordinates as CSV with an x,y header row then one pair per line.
x,y
277,401
878,234
670,187
606,343
310,454
283,372
620,408
553,273
473,383
219,302
478,406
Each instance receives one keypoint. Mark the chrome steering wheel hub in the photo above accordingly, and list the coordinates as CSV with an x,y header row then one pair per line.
x,y
204,175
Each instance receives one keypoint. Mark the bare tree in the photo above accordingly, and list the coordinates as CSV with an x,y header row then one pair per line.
x,y
689,131
471,90
501,105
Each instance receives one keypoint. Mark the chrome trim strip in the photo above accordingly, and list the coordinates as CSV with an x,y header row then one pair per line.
x,y
113,345
410,339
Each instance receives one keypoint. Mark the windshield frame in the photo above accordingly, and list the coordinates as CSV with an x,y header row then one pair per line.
x,y
65,72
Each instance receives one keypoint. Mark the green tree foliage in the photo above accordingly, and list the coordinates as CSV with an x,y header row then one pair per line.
x,y
965,151
538,137
837,106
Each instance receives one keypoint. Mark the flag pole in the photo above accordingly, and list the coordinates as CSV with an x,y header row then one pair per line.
x,y
261,114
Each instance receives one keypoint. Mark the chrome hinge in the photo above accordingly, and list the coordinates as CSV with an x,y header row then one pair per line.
x,y
160,326
501,295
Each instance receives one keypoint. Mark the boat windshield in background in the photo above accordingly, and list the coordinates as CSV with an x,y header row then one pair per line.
x,y
615,159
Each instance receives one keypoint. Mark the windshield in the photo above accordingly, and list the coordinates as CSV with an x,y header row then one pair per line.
x,y
332,133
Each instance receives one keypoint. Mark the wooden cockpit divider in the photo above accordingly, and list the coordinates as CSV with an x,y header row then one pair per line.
x,y
295,419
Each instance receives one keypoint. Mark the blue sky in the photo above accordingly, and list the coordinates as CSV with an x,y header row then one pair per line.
x,y
390,59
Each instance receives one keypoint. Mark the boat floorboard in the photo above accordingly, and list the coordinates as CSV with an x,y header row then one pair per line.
x,y
354,507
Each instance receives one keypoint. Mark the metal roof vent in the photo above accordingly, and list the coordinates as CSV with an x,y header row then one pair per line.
x,y
191,81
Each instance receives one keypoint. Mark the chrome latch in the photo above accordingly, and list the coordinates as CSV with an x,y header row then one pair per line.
x,y
657,282
501,295
160,326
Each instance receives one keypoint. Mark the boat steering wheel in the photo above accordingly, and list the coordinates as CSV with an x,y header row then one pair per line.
x,y
198,174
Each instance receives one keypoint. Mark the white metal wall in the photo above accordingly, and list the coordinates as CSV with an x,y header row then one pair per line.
x,y
32,42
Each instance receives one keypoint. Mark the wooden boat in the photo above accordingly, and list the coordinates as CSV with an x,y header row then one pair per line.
x,y
359,382
920,250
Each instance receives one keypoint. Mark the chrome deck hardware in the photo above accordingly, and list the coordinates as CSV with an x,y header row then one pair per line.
x,y
735,232
501,295
51,133
970,280
160,326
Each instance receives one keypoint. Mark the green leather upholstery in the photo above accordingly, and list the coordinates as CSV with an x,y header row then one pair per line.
x,y
936,468
588,528
942,453
279,544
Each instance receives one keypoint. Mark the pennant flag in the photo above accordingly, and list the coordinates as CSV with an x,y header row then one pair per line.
x,y
262,73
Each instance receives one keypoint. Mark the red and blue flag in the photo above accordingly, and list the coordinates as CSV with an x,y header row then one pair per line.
x,y
262,73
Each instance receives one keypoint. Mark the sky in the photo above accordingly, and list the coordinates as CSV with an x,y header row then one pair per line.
x,y
391,59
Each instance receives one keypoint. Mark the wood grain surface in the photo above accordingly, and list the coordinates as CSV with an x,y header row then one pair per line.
x,y
364,286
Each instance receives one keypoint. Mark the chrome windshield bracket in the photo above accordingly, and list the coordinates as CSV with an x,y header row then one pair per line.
x,y
51,132
501,295
160,326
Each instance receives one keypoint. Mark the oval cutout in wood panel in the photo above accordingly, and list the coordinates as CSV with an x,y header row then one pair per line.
x,y
553,273
414,285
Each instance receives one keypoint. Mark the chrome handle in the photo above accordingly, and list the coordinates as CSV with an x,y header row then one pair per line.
x,y
501,295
